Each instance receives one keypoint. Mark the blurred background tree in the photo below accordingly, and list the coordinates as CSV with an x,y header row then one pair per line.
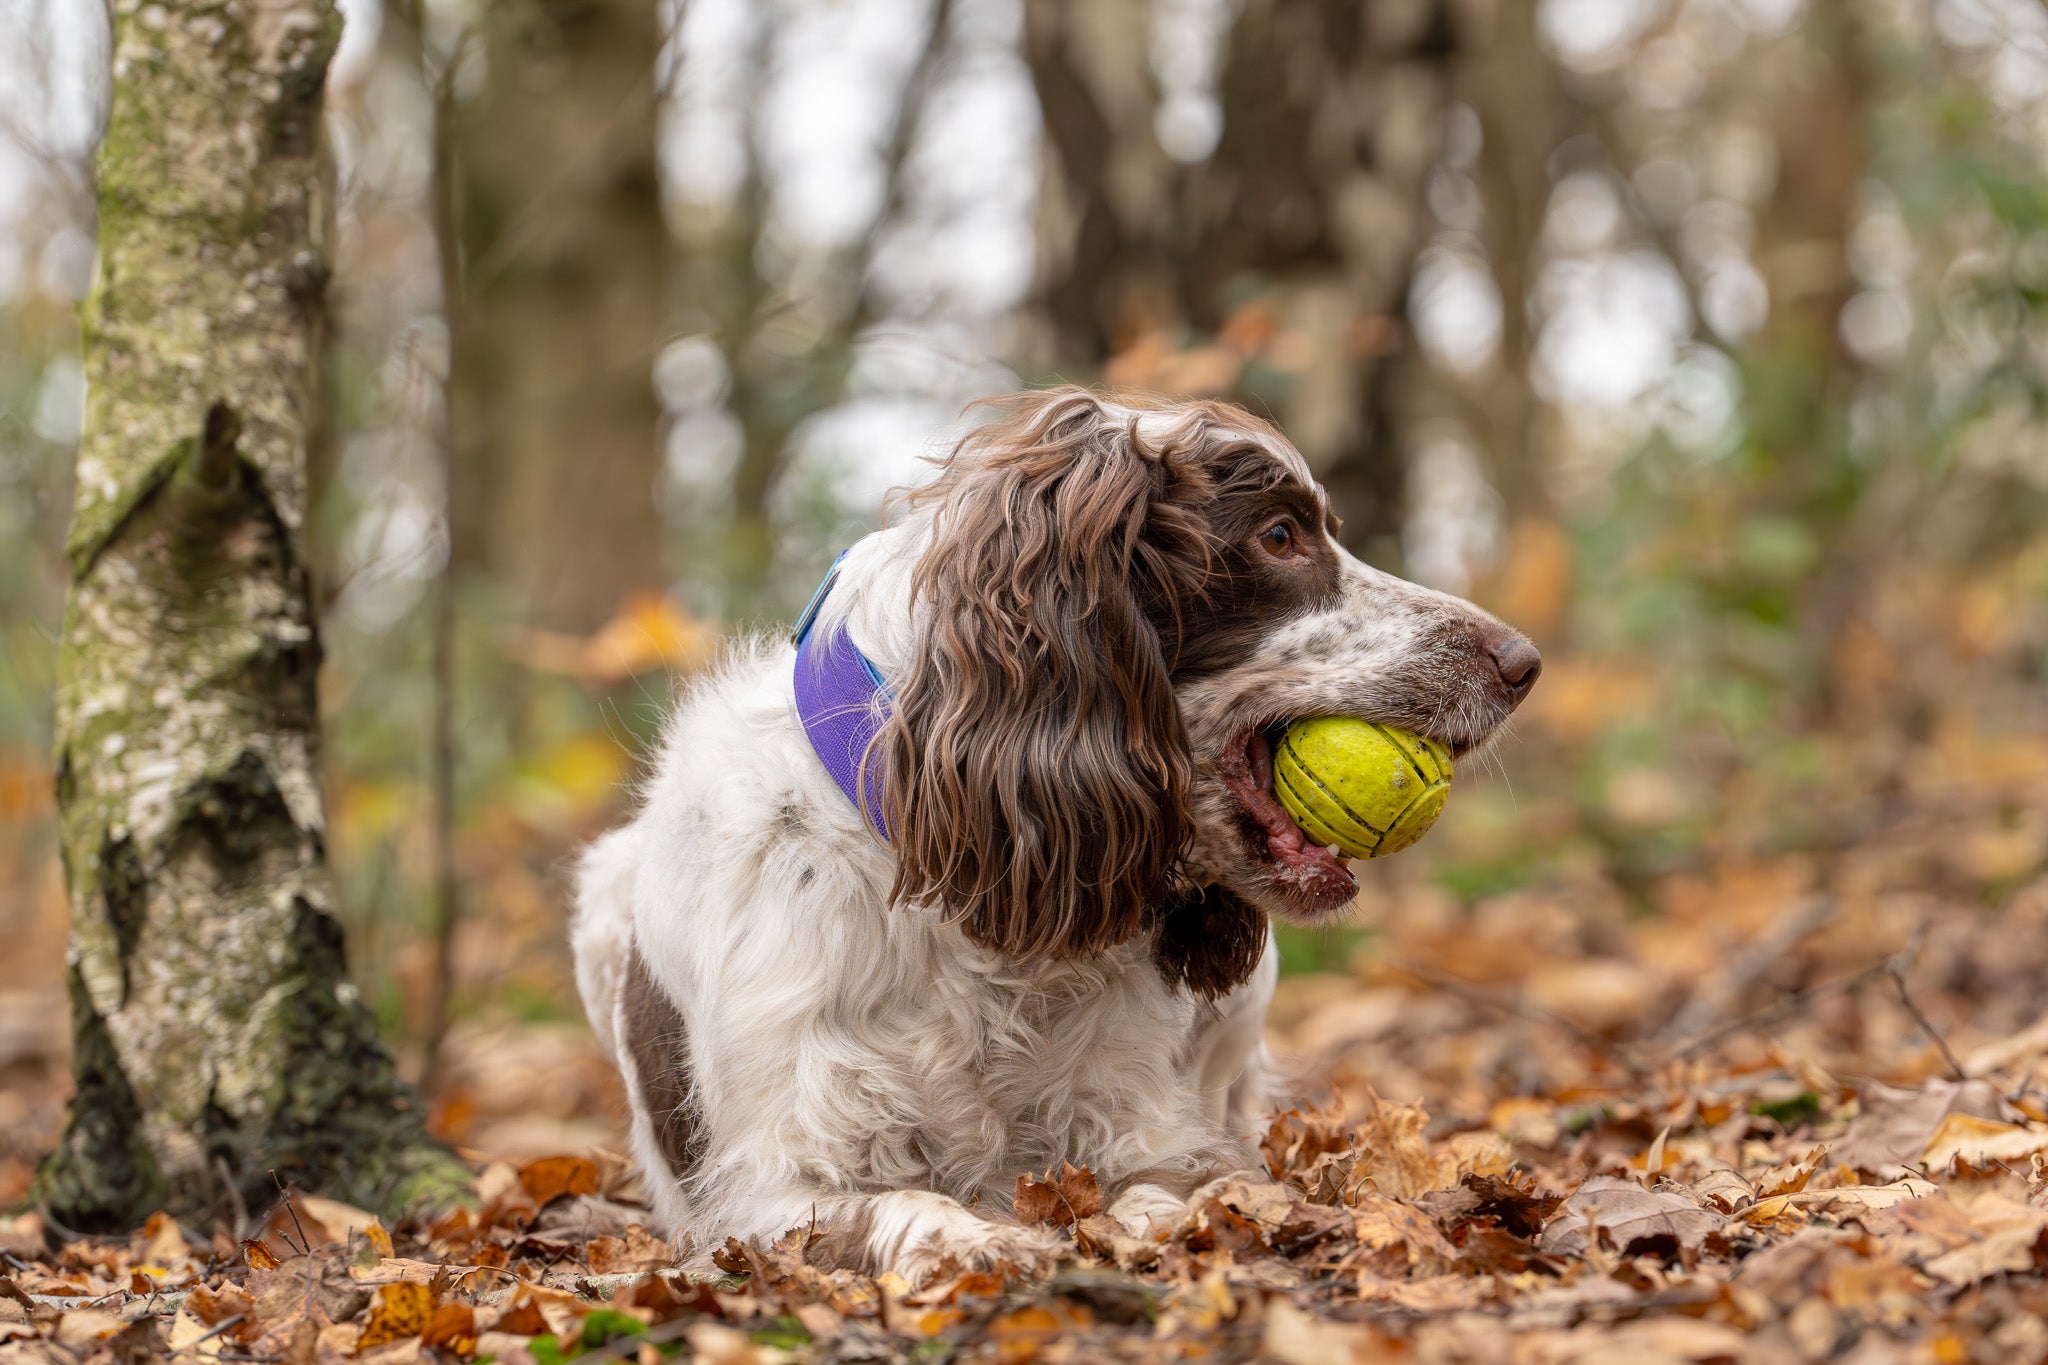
x,y
562,265
1701,338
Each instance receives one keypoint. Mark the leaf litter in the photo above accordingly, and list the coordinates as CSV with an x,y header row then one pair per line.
x,y
1654,1230
1770,1106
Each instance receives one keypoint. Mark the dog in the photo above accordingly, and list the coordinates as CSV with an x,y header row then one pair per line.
x,y
977,877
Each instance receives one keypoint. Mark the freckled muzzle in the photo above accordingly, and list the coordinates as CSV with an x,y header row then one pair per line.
x,y
1427,678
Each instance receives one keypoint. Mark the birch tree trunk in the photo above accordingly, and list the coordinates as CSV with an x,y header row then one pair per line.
x,y
217,1037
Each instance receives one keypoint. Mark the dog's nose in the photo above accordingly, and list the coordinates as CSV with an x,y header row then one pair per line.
x,y
1518,663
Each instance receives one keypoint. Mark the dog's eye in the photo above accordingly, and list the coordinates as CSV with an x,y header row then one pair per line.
x,y
1277,540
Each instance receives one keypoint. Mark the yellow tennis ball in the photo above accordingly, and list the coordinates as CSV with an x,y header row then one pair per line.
x,y
1370,789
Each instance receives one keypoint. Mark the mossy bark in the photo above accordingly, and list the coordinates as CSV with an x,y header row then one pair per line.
x,y
217,1035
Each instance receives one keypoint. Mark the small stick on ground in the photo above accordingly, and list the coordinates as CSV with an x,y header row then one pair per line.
x,y
1535,1014
305,1246
1799,1001
219,1327
1955,1068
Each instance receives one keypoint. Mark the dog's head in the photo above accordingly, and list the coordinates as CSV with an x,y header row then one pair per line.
x,y
1118,606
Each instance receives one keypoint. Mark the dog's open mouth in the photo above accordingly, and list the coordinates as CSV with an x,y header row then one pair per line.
x,y
1312,877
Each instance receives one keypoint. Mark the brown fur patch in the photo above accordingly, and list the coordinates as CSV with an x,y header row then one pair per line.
x,y
1210,942
654,1035
1038,771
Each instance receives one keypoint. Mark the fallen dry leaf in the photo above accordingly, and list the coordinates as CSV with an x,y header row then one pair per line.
x,y
1841,1202
400,1309
1383,1224
637,1250
1394,1157
1622,1214
452,1328
555,1176
1058,1200
1896,1125
1981,1142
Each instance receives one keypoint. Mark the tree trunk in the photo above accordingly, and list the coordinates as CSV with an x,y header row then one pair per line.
x,y
1312,199
1107,270
1332,119
216,1034
557,430
1515,90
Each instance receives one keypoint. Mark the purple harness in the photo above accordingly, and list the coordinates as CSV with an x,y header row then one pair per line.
x,y
843,703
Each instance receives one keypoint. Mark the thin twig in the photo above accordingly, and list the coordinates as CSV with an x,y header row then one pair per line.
x,y
1955,1068
215,1331
305,1247
1522,1010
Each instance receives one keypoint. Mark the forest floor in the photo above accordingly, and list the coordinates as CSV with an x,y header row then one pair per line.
x,y
1765,1105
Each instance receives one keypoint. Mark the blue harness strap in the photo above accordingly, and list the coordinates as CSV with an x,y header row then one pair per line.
x,y
843,702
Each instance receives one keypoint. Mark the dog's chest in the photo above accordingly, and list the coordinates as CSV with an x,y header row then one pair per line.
x,y
1008,1076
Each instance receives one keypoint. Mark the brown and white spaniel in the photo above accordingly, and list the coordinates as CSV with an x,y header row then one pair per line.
x,y
876,942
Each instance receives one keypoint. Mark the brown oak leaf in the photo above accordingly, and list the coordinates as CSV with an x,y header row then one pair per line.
x,y
1624,1213
1060,1200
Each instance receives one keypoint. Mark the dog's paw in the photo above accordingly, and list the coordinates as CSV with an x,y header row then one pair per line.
x,y
1035,1251
920,1234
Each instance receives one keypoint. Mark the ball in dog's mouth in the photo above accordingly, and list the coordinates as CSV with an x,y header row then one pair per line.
x,y
1369,788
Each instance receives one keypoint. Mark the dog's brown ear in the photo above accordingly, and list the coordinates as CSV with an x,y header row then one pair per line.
x,y
1037,768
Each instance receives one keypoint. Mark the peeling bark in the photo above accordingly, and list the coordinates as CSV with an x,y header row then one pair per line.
x,y
218,1037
